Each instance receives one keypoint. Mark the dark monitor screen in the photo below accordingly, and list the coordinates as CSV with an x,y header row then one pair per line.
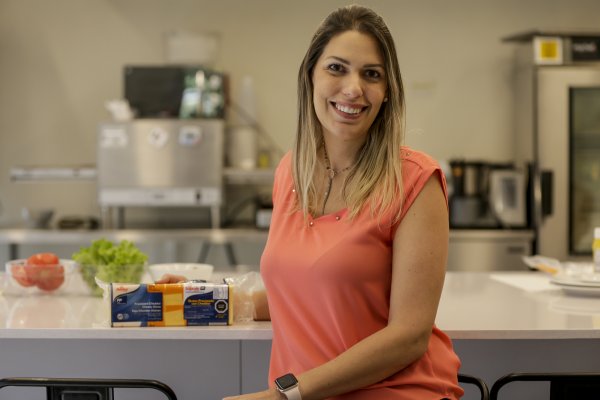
x,y
154,91
175,91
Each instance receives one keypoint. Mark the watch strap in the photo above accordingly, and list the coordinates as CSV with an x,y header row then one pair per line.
x,y
292,393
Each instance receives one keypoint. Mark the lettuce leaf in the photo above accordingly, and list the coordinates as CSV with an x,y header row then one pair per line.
x,y
122,263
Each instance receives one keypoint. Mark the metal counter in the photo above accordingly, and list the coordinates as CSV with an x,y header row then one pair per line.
x,y
168,239
470,250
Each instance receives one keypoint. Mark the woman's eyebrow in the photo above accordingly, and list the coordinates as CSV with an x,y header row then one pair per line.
x,y
374,66
344,61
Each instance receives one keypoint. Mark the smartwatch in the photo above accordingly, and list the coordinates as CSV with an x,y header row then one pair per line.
x,y
288,386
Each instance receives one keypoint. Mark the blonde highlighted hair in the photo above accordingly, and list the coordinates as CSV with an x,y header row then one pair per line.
x,y
377,177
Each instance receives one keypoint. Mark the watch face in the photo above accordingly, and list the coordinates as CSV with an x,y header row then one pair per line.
x,y
286,381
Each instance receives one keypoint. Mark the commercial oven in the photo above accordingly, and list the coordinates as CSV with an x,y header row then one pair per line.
x,y
557,107
160,163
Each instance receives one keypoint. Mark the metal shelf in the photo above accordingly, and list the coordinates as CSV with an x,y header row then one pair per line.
x,y
34,174
261,176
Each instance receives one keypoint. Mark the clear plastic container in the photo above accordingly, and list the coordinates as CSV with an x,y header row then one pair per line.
x,y
111,274
25,279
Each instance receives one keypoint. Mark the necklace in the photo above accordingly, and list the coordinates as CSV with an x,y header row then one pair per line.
x,y
331,173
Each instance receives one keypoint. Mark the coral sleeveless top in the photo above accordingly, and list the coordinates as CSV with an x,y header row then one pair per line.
x,y
328,287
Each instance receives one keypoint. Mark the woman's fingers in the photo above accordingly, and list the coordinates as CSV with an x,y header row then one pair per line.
x,y
171,278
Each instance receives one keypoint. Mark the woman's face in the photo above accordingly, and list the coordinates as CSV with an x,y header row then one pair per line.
x,y
349,85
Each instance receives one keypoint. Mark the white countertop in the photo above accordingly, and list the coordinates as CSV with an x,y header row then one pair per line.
x,y
498,305
514,305
87,317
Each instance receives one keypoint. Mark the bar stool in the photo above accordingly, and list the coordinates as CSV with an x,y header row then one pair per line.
x,y
478,382
563,386
86,389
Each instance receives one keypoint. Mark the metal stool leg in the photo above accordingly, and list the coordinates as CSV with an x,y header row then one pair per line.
x,y
228,246
204,252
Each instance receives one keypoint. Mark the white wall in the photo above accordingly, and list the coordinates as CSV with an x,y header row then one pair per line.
x,y
60,60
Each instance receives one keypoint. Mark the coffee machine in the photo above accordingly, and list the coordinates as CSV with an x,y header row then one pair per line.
x,y
486,195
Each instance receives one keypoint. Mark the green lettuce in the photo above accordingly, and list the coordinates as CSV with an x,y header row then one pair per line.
x,y
123,263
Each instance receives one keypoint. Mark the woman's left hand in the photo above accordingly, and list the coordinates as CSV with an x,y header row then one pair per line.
x,y
271,394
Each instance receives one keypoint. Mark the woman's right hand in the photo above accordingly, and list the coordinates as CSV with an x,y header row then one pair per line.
x,y
171,278
270,394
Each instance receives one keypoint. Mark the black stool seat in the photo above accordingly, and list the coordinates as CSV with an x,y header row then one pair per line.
x,y
84,389
563,385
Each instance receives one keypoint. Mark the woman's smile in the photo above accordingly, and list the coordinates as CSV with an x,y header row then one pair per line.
x,y
346,110
349,85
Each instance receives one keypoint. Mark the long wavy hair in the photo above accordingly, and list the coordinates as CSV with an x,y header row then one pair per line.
x,y
377,177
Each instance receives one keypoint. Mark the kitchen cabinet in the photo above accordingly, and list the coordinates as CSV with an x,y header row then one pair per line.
x,y
55,336
204,369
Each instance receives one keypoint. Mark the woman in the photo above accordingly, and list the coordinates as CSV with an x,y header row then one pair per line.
x,y
354,263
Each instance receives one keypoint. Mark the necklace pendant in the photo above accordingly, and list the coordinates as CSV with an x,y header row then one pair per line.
x,y
332,173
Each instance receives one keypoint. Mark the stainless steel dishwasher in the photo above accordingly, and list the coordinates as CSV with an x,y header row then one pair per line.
x,y
488,249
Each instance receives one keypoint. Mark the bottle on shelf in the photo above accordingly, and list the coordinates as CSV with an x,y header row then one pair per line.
x,y
596,249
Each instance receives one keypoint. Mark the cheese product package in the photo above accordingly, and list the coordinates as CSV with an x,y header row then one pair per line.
x,y
170,304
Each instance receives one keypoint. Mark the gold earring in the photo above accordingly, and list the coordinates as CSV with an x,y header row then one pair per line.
x,y
385,99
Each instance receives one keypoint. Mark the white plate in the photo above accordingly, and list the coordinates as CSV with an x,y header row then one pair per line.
x,y
581,291
580,281
576,287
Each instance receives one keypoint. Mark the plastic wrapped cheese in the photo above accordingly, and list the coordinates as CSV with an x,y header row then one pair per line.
x,y
169,304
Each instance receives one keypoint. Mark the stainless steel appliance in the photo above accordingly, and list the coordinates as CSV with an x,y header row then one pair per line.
x,y
488,216
487,195
507,197
488,249
466,202
160,163
557,104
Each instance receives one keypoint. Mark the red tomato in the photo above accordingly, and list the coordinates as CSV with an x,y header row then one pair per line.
x,y
44,270
43,259
20,275
49,277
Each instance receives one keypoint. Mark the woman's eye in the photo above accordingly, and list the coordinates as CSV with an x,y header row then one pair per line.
x,y
372,74
335,67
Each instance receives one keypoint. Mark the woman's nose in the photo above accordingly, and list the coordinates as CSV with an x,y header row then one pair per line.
x,y
352,86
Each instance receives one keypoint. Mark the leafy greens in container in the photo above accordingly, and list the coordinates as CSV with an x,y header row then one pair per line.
x,y
123,263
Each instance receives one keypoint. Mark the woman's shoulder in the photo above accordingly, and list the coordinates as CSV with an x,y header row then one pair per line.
x,y
417,168
416,164
412,158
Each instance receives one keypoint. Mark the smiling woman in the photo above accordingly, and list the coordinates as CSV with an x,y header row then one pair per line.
x,y
354,262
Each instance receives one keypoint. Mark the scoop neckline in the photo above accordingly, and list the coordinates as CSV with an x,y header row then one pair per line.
x,y
340,213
